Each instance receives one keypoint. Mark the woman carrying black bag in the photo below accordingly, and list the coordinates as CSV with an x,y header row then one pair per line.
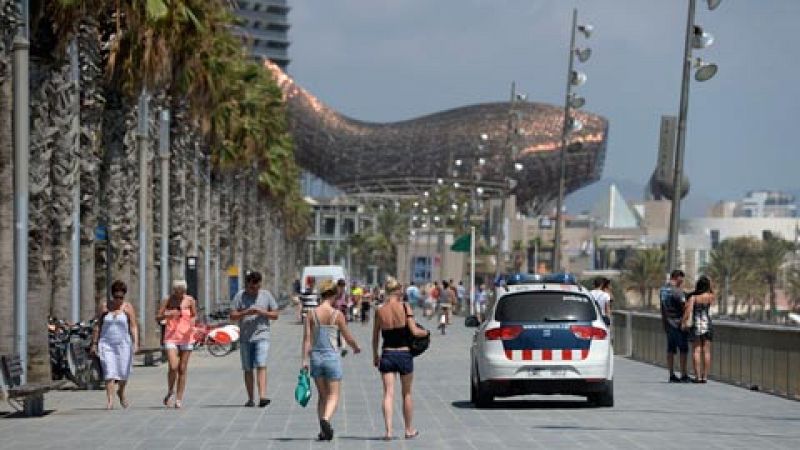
x,y
395,325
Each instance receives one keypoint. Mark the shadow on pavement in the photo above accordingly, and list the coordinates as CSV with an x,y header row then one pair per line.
x,y
528,404
20,415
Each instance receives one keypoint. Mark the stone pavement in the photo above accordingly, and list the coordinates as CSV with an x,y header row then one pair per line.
x,y
649,412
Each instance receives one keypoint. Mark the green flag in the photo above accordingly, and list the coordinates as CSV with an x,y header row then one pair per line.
x,y
462,244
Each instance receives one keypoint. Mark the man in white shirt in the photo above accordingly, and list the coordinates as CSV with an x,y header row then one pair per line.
x,y
601,295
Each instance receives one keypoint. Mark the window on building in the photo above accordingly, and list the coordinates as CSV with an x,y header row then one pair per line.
x,y
714,239
366,224
243,5
421,269
257,7
256,24
348,226
329,226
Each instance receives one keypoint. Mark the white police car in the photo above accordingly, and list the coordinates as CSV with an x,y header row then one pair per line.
x,y
543,335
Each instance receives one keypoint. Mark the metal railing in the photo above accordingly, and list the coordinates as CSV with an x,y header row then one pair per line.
x,y
755,356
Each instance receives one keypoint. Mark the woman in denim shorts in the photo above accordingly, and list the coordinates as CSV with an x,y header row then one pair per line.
x,y
394,323
319,348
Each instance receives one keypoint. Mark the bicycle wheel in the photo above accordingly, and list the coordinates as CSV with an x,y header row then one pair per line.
x,y
217,348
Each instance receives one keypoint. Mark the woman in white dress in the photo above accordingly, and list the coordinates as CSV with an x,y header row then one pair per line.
x,y
115,340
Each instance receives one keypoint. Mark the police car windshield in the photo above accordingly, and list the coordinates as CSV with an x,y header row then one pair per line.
x,y
545,307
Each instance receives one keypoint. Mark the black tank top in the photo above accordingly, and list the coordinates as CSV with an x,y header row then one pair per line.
x,y
395,337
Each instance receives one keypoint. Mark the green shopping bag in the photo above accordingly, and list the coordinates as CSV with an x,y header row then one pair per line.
x,y
302,393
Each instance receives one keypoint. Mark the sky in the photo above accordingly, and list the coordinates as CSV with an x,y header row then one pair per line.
x,y
388,60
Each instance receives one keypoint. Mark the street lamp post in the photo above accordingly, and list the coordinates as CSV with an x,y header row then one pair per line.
x,y
504,190
695,37
574,78
144,183
21,127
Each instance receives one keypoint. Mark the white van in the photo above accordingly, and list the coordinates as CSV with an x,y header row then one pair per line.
x,y
319,273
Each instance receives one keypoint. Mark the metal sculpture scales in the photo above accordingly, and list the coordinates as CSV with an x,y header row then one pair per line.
x,y
407,157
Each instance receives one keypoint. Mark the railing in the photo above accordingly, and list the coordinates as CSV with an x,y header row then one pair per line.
x,y
758,357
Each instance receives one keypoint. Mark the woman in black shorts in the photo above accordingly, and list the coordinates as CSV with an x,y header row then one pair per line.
x,y
701,332
394,323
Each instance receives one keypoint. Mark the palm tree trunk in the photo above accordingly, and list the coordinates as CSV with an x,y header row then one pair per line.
x,y
92,105
773,308
181,142
40,246
64,173
6,184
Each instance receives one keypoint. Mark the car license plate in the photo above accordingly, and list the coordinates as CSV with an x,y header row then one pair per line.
x,y
541,372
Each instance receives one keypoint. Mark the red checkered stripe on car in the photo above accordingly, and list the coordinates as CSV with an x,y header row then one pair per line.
x,y
556,354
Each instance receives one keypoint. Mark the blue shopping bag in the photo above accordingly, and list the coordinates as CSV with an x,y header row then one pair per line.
x,y
302,392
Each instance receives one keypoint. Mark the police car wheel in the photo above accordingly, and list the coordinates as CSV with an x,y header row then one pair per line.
x,y
483,397
605,398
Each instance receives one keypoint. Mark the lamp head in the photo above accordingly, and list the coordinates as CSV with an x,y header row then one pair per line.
x,y
713,4
577,78
575,124
583,54
705,71
586,30
701,39
576,102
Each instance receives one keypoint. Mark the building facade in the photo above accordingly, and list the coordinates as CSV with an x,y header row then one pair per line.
x,y
264,28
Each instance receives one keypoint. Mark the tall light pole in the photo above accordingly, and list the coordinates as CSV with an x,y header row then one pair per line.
x,y
695,38
75,242
507,157
144,182
163,155
574,78
21,126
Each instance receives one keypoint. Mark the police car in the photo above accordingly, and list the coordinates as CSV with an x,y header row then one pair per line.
x,y
543,335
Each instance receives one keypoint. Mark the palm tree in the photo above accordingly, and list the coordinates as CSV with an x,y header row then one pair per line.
x,y
727,263
644,272
772,257
793,287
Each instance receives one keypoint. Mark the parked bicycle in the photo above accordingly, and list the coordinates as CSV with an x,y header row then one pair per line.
x,y
218,339
69,353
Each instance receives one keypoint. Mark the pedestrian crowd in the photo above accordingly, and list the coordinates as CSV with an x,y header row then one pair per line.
x,y
326,310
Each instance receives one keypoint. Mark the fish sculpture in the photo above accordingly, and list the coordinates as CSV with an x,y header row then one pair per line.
x,y
518,142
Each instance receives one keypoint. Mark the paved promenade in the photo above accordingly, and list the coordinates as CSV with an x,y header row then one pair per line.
x,y
649,412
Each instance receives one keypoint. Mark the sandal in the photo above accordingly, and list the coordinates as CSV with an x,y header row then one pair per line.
x,y
123,401
167,399
178,404
412,435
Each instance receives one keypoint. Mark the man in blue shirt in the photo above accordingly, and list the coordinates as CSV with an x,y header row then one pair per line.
x,y
412,292
673,300
254,308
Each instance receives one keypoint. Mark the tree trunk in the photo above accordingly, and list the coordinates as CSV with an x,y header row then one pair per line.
x,y
773,307
92,105
181,143
63,104
40,257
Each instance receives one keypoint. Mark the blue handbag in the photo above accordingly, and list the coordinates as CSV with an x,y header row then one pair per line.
x,y
302,392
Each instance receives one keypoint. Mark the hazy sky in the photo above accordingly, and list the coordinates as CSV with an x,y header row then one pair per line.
x,y
386,60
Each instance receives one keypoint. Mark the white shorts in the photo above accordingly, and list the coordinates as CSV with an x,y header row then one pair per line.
x,y
179,347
